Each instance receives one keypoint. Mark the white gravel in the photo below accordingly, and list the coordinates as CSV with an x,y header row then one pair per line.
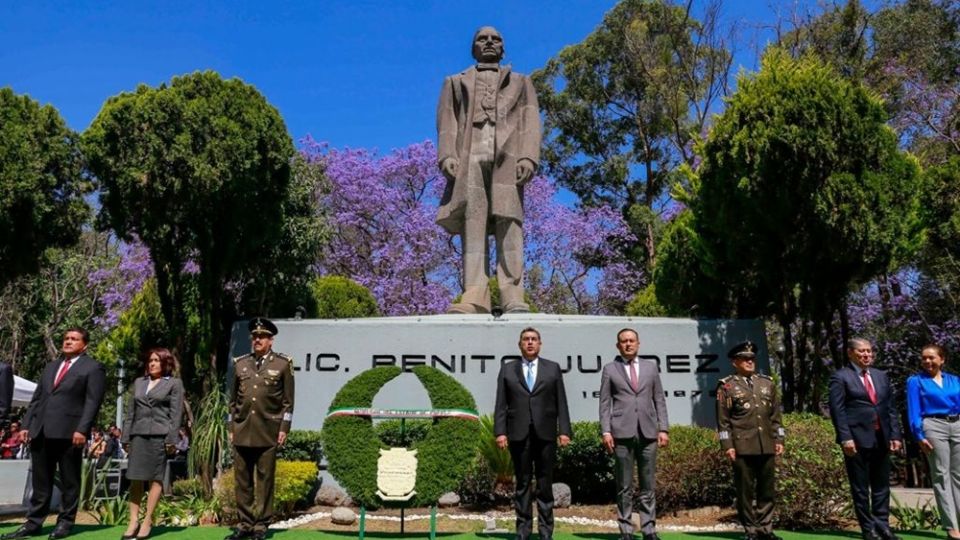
x,y
573,520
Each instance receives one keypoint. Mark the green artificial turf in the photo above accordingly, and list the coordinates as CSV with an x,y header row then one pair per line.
x,y
99,532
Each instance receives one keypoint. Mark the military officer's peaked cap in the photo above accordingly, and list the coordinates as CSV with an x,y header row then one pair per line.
x,y
747,349
262,325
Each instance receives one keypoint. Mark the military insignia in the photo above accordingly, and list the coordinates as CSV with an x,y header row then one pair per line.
x,y
288,417
746,405
273,372
724,435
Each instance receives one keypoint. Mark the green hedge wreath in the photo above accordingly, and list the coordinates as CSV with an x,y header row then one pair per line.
x,y
353,448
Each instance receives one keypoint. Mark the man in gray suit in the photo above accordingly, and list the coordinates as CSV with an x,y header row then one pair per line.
x,y
633,418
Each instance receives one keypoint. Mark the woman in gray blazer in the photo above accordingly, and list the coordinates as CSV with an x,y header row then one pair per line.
x,y
150,431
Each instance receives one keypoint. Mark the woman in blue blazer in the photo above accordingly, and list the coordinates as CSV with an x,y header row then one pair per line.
x,y
150,432
933,408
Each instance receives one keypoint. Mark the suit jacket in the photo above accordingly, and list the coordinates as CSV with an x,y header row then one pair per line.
x,y
852,412
545,407
517,137
158,412
626,414
70,407
6,389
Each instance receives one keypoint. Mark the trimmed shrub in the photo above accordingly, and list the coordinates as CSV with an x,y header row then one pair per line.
x,y
586,466
812,487
302,445
295,481
692,471
414,431
337,297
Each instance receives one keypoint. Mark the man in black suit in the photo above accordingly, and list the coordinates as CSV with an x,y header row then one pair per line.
x,y
6,390
530,412
865,419
58,419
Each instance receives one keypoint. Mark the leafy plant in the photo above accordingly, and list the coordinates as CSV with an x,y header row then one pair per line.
x,y
916,518
498,460
210,437
93,481
187,510
113,511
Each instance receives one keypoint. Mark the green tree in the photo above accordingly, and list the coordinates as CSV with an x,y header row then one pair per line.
x,y
337,297
200,171
36,308
622,108
41,184
802,195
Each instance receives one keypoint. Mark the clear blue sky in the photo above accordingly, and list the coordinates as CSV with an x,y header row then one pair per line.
x,y
355,73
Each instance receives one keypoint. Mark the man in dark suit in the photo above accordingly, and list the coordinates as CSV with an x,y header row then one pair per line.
x,y
530,412
56,424
865,419
6,390
633,420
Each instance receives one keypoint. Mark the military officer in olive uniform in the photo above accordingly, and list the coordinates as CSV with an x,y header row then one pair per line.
x,y
748,419
261,410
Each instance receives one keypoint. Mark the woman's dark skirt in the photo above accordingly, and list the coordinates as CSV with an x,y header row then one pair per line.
x,y
147,457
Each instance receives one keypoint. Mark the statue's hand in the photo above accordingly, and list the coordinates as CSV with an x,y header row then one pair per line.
x,y
449,167
525,169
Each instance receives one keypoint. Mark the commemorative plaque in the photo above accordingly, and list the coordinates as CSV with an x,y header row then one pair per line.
x,y
397,474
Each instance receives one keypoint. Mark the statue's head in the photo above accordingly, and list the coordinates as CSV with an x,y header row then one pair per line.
x,y
487,45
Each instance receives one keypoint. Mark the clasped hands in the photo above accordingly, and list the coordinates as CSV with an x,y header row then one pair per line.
x,y
502,441
525,169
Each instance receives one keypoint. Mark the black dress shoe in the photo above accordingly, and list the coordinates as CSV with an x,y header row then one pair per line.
x,y
259,535
887,534
870,535
59,532
238,535
768,536
22,532
651,536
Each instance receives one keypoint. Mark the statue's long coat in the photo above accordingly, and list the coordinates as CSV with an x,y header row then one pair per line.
x,y
517,136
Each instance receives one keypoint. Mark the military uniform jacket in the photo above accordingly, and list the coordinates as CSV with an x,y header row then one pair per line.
x,y
262,402
748,416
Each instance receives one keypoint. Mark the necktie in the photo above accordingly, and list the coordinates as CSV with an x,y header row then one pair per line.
x,y
634,382
62,372
530,376
869,386
259,363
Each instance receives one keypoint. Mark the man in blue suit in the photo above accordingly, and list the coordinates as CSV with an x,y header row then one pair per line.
x,y
865,418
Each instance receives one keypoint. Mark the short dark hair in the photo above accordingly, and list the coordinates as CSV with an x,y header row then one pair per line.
x,y
83,333
941,352
531,329
622,330
167,361
854,341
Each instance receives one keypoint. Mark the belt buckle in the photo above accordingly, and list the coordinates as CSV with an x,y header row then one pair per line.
x,y
953,417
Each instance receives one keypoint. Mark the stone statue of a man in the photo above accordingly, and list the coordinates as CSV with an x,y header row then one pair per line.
x,y
488,130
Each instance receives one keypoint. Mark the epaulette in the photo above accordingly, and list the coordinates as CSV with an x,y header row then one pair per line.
x,y
726,379
762,376
286,357
241,357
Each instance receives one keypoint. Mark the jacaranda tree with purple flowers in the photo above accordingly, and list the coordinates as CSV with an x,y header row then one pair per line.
x,y
381,214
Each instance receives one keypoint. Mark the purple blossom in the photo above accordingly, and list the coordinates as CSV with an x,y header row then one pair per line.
x,y
382,211
124,281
